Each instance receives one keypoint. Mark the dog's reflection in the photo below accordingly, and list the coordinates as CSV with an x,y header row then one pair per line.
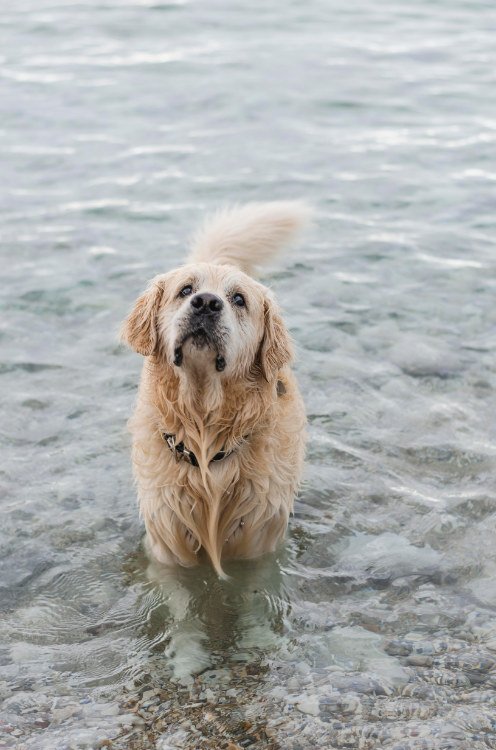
x,y
197,619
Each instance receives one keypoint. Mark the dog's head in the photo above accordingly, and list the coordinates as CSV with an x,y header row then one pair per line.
x,y
210,318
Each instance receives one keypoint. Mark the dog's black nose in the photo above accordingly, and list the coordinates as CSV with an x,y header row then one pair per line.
x,y
206,304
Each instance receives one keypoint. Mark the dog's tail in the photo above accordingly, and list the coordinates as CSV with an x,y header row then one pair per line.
x,y
247,236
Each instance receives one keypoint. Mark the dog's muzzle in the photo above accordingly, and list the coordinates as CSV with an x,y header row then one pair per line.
x,y
202,328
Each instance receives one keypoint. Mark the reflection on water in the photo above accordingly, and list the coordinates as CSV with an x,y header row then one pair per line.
x,y
122,122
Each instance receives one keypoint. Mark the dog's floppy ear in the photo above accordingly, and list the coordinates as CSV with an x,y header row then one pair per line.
x,y
139,330
276,349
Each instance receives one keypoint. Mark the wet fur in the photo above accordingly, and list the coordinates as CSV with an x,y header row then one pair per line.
x,y
237,507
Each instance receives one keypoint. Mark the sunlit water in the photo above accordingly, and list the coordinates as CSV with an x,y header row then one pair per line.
x,y
122,123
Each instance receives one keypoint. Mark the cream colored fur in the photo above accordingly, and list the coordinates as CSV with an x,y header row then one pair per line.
x,y
237,507
247,236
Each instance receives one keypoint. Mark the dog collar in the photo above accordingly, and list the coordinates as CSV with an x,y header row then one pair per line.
x,y
183,454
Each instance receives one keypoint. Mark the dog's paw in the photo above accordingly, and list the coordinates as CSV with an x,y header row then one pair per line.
x,y
187,653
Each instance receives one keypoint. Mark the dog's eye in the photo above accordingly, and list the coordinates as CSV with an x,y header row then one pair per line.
x,y
186,290
238,299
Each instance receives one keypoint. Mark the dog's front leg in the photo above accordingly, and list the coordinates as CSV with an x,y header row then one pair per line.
x,y
186,652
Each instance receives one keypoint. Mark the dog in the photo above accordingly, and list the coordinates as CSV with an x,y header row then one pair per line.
x,y
218,430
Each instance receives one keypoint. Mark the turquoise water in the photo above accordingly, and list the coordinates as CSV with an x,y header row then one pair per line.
x,y
122,123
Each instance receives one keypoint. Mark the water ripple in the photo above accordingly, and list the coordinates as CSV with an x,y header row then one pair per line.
x,y
122,123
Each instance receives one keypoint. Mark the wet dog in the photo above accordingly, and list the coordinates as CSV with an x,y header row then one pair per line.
x,y
219,425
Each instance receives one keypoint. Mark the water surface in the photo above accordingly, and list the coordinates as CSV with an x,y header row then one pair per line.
x,y
122,123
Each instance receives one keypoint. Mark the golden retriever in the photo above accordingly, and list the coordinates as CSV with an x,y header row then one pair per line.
x,y
219,425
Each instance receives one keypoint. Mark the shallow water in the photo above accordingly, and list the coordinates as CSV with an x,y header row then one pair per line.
x,y
122,122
